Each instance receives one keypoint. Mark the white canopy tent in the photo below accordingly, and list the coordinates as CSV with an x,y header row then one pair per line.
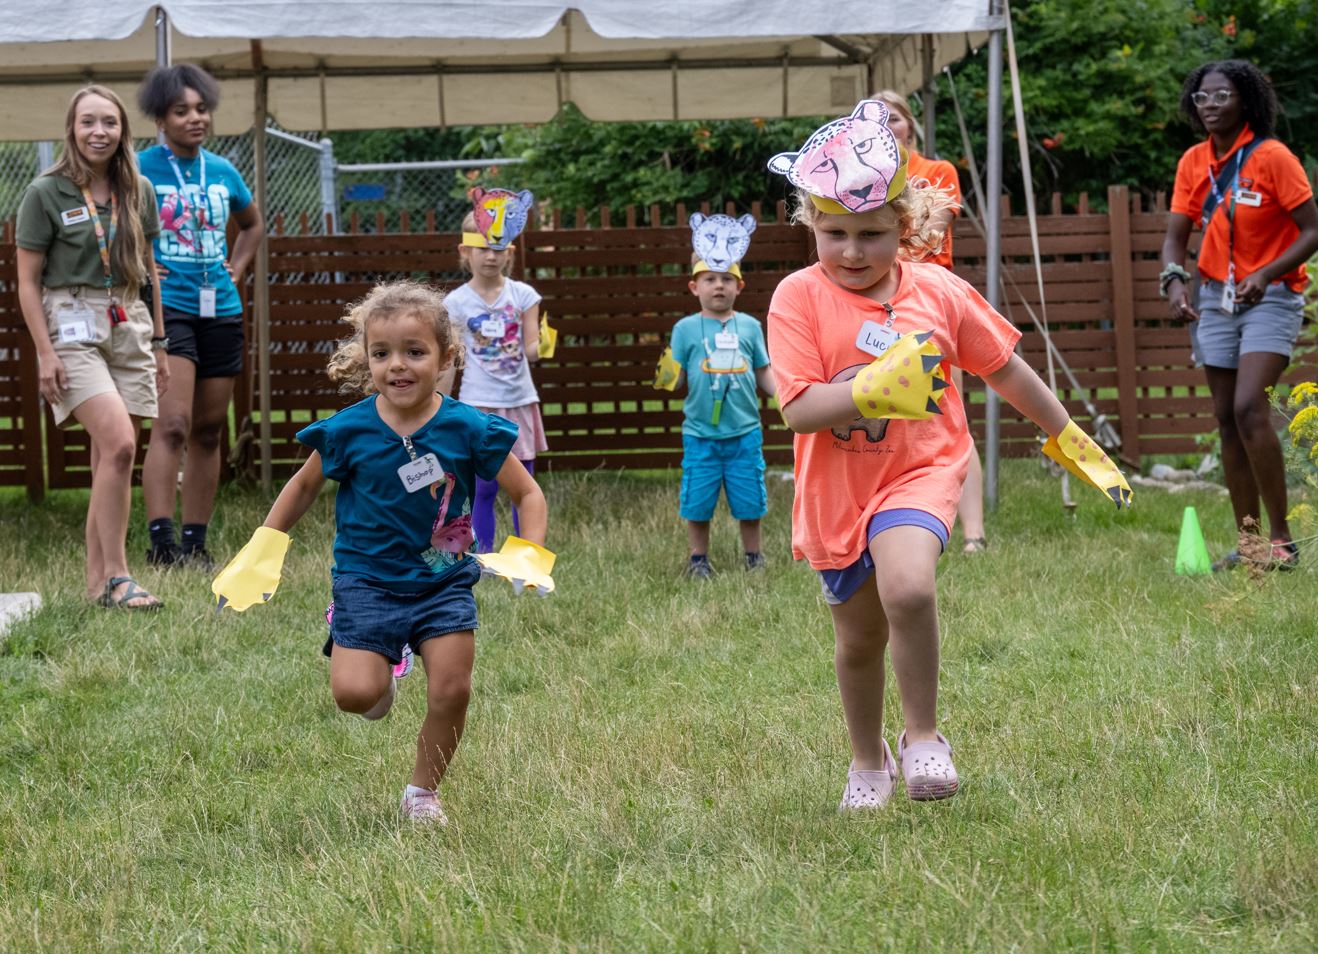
x,y
356,64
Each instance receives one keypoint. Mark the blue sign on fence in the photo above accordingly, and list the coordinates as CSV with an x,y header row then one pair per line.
x,y
363,192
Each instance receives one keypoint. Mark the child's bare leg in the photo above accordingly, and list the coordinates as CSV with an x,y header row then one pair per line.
x,y
905,558
360,680
697,537
860,635
750,536
448,661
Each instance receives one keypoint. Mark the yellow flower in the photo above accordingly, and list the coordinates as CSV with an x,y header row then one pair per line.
x,y
1304,426
1302,392
1301,514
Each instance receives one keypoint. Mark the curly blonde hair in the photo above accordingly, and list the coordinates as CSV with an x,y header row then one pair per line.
x,y
349,367
917,207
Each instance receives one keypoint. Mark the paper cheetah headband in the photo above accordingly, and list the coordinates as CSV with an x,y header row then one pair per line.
x,y
853,164
500,217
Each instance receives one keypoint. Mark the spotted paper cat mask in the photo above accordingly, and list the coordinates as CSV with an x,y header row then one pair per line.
x,y
850,165
720,241
500,217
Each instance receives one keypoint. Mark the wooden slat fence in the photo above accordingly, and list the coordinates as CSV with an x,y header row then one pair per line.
x,y
614,288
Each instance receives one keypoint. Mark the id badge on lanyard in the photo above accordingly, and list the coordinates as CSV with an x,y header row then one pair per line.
x,y
114,311
206,301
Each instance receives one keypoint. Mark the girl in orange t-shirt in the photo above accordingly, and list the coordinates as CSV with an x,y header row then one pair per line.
x,y
941,174
876,493
1260,229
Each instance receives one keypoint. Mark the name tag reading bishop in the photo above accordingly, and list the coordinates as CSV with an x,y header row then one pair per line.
x,y
875,339
420,473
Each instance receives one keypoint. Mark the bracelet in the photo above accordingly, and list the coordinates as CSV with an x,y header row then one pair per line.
x,y
160,344
1169,271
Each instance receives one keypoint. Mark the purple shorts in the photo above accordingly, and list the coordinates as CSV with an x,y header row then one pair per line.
x,y
841,585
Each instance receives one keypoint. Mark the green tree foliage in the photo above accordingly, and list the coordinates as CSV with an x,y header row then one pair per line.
x,y
1101,81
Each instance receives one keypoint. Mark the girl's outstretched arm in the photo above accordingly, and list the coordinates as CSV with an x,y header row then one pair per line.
x,y
297,496
1023,390
527,497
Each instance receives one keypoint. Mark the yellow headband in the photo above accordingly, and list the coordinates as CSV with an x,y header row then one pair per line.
x,y
474,240
700,266
895,187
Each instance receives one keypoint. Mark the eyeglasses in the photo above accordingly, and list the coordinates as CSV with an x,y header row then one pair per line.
x,y
1218,97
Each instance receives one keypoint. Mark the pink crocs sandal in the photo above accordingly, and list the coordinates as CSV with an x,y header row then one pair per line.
x,y
927,768
419,805
870,789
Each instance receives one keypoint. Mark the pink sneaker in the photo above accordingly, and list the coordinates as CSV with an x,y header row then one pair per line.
x,y
870,789
928,768
419,805
405,664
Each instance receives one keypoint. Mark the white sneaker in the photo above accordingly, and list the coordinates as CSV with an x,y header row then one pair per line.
x,y
420,805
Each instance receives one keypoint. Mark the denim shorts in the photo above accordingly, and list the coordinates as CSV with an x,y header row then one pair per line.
x,y
735,464
841,585
368,615
1219,338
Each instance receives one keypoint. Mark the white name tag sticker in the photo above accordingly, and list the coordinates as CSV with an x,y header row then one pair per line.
x,y
420,473
726,341
206,302
74,331
1245,197
875,339
75,216
492,327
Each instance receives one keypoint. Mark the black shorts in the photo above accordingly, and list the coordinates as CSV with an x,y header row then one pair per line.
x,y
214,345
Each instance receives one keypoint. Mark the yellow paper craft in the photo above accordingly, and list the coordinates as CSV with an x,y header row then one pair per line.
x,y
1082,456
253,575
668,372
548,337
522,562
905,383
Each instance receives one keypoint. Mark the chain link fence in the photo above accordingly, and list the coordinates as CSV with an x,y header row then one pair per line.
x,y
303,180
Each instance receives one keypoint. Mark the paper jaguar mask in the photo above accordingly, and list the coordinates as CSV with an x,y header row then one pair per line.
x,y
853,164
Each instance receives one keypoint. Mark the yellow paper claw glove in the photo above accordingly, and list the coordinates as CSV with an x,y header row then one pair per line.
x,y
524,563
667,373
548,337
253,575
905,383
1082,456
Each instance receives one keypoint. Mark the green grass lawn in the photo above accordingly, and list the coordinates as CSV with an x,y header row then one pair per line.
x,y
655,765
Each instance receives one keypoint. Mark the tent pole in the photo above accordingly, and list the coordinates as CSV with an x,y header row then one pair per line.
x,y
993,251
162,50
261,279
927,93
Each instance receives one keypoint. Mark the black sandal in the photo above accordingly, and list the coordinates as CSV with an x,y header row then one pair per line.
x,y
134,592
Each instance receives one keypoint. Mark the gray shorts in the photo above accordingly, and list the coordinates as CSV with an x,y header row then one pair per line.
x,y
1219,338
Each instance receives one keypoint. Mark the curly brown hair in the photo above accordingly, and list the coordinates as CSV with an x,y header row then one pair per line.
x,y
915,208
349,367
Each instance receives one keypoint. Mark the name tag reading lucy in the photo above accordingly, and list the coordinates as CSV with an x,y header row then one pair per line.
x,y
875,339
420,473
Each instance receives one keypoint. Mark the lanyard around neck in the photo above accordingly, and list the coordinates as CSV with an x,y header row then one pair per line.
x,y
198,210
102,242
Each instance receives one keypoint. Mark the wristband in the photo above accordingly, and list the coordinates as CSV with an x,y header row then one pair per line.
x,y
1169,271
160,343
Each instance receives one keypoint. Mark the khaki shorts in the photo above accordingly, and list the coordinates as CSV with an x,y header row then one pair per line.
x,y
106,360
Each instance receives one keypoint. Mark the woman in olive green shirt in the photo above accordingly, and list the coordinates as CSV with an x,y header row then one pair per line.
x,y
84,230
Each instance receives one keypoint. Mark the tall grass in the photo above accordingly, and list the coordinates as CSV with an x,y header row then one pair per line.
x,y
653,764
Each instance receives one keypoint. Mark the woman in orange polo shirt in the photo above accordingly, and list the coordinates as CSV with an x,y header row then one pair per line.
x,y
942,175
1251,197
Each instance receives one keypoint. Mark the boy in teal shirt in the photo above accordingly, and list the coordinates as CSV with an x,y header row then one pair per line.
x,y
723,357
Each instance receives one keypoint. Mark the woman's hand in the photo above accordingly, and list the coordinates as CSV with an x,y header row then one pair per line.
x,y
162,373
1251,290
1178,302
161,271
52,380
